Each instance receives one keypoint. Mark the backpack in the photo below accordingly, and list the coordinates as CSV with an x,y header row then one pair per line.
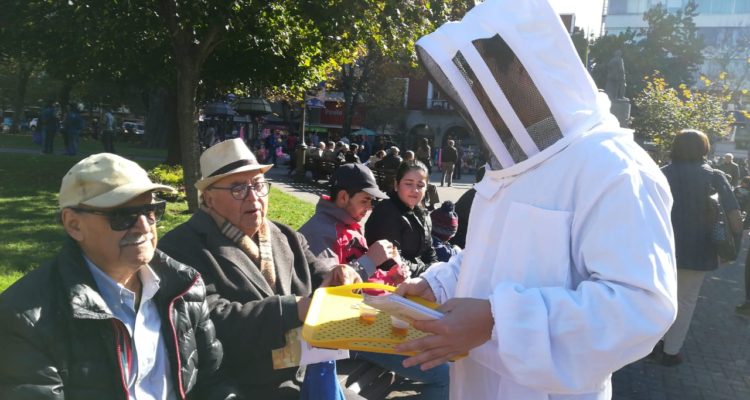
x,y
722,237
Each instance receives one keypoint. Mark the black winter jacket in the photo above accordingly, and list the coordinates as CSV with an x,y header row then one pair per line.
x,y
59,337
450,155
409,230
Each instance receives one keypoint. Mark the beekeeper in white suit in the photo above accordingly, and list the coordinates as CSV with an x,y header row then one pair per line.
x,y
569,269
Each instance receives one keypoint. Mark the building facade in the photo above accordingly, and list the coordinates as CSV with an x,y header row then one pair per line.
x,y
724,26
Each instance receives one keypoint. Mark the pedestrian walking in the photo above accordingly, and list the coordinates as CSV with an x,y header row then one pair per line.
x,y
450,155
50,126
108,133
72,127
692,181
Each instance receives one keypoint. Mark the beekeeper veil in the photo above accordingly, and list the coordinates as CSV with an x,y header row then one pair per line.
x,y
510,69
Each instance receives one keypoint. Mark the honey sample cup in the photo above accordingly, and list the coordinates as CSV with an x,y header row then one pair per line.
x,y
367,314
399,327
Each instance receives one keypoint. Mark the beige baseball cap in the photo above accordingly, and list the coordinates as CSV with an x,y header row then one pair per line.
x,y
105,180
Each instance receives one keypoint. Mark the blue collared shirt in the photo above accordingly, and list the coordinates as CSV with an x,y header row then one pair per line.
x,y
149,377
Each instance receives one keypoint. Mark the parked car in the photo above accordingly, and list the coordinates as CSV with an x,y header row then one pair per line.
x,y
132,131
140,129
7,123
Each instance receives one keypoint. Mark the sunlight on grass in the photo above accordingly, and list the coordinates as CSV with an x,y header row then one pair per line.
x,y
289,210
30,233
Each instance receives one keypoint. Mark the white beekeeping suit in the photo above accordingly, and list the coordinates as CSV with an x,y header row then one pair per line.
x,y
569,236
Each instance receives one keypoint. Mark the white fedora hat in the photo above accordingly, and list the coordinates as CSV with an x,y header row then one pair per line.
x,y
227,158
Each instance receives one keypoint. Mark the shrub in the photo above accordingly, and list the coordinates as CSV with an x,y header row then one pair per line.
x,y
663,111
169,175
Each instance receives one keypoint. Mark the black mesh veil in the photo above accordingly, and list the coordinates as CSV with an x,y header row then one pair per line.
x,y
523,123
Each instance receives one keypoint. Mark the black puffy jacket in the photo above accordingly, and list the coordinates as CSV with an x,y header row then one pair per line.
x,y
59,342
409,230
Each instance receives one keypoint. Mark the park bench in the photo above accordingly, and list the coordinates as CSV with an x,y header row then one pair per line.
x,y
385,178
320,168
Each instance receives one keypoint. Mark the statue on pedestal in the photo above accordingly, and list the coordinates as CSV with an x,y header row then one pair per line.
x,y
615,86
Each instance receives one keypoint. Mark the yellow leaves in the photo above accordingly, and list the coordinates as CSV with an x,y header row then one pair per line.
x,y
705,80
664,110
722,76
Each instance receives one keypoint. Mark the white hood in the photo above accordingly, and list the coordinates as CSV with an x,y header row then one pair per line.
x,y
458,57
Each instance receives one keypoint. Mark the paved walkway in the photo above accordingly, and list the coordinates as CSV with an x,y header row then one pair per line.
x,y
717,349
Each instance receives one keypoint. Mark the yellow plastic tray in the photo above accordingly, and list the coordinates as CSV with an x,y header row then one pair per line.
x,y
333,321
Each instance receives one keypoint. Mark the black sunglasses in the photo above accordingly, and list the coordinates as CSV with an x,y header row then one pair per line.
x,y
122,219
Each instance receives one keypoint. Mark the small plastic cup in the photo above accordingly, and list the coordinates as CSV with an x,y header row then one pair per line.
x,y
367,314
399,327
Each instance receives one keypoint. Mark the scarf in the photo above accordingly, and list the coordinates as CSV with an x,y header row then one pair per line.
x,y
259,253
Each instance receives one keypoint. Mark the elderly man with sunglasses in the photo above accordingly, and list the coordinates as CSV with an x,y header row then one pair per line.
x,y
110,317
259,273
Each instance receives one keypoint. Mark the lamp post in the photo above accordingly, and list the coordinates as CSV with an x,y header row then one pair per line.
x,y
301,151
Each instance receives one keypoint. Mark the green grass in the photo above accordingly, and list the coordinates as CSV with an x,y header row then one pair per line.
x,y
29,230
87,146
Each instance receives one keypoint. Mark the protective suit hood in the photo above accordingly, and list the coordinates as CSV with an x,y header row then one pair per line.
x,y
523,117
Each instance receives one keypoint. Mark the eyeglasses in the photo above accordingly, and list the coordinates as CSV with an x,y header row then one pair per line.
x,y
124,218
241,191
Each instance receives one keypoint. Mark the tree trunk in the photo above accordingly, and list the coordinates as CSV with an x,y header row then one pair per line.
x,y
190,53
349,115
24,72
347,78
65,90
174,155
187,85
161,123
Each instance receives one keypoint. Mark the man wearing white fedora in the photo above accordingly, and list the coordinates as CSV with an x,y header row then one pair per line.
x,y
258,273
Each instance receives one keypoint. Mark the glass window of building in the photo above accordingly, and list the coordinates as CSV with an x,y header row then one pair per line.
x,y
722,6
719,6
638,6
618,7
674,5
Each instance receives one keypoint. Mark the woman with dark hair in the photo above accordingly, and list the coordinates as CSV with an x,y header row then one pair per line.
x,y
692,181
402,220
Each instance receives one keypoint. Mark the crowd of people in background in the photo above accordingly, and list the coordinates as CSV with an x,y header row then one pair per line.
x,y
71,125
